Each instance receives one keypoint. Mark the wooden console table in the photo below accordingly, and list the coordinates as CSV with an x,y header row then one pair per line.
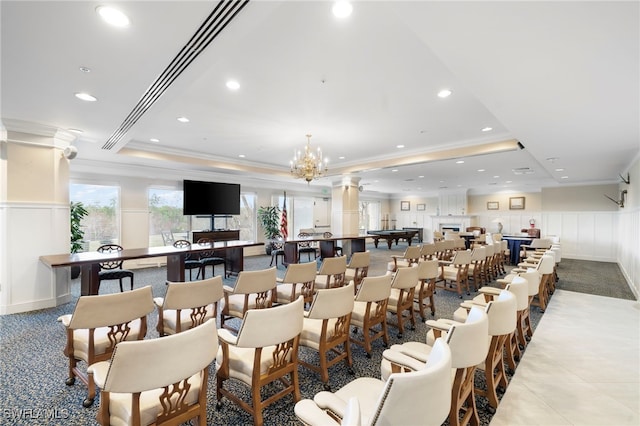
x,y
327,246
89,262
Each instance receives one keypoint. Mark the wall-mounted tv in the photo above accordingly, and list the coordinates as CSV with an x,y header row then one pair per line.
x,y
210,198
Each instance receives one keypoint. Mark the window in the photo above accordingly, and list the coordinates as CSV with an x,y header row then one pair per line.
x,y
369,216
165,215
102,224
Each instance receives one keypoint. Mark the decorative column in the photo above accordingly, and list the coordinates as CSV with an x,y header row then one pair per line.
x,y
345,207
34,216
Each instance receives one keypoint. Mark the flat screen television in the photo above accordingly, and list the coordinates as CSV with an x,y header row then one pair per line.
x,y
210,198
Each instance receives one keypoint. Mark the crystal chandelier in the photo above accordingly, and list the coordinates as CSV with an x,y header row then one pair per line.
x,y
310,165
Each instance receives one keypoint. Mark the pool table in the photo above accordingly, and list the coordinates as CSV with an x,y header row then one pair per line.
x,y
392,235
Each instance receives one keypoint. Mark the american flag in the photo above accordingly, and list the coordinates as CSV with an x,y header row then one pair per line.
x,y
283,221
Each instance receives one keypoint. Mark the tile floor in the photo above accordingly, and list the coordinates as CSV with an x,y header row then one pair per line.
x,y
582,366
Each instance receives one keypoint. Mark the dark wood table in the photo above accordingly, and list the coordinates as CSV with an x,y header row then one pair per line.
x,y
392,235
327,245
89,262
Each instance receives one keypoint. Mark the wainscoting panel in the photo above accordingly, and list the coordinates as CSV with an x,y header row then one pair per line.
x,y
34,230
628,243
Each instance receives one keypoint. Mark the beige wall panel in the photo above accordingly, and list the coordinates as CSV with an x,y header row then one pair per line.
x,y
580,198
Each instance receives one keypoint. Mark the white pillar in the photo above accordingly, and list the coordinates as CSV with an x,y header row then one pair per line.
x,y
34,216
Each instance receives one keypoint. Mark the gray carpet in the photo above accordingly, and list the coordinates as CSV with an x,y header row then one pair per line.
x,y
34,369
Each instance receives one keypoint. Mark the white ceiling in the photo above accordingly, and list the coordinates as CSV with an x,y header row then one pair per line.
x,y
562,78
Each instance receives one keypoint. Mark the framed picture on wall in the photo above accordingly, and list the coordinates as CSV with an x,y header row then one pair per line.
x,y
405,206
493,205
516,203
420,207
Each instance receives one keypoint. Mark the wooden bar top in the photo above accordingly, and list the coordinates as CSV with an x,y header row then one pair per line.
x,y
68,259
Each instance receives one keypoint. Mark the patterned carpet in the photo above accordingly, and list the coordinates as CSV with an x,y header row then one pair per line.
x,y
34,369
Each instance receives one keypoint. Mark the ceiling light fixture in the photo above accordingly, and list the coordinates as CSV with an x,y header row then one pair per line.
x,y
86,97
76,131
183,119
154,140
113,16
487,129
342,9
445,93
85,69
309,166
460,162
233,85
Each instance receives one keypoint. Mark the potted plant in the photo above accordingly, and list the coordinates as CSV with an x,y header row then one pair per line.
x,y
76,213
269,217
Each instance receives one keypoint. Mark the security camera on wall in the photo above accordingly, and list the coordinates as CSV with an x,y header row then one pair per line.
x,y
70,152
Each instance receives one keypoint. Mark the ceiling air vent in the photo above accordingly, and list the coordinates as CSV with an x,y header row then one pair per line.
x,y
522,171
221,15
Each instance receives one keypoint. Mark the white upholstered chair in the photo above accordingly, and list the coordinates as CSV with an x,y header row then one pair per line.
x,y
456,271
298,280
252,291
475,272
403,286
97,324
410,257
358,268
420,397
157,381
428,251
332,272
188,304
423,297
370,311
469,347
325,329
265,350
502,313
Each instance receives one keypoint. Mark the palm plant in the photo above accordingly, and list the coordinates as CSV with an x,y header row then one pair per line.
x,y
268,217
76,213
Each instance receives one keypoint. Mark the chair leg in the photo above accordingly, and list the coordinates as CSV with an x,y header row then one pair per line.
x,y
121,290
132,282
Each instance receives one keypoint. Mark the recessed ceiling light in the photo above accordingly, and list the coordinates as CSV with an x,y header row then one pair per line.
x,y
421,176
183,119
86,97
399,146
233,85
508,181
394,170
77,131
487,129
559,170
113,16
460,162
342,9
444,93
496,177
341,157
154,140
481,170
241,155
564,177
552,159
85,69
